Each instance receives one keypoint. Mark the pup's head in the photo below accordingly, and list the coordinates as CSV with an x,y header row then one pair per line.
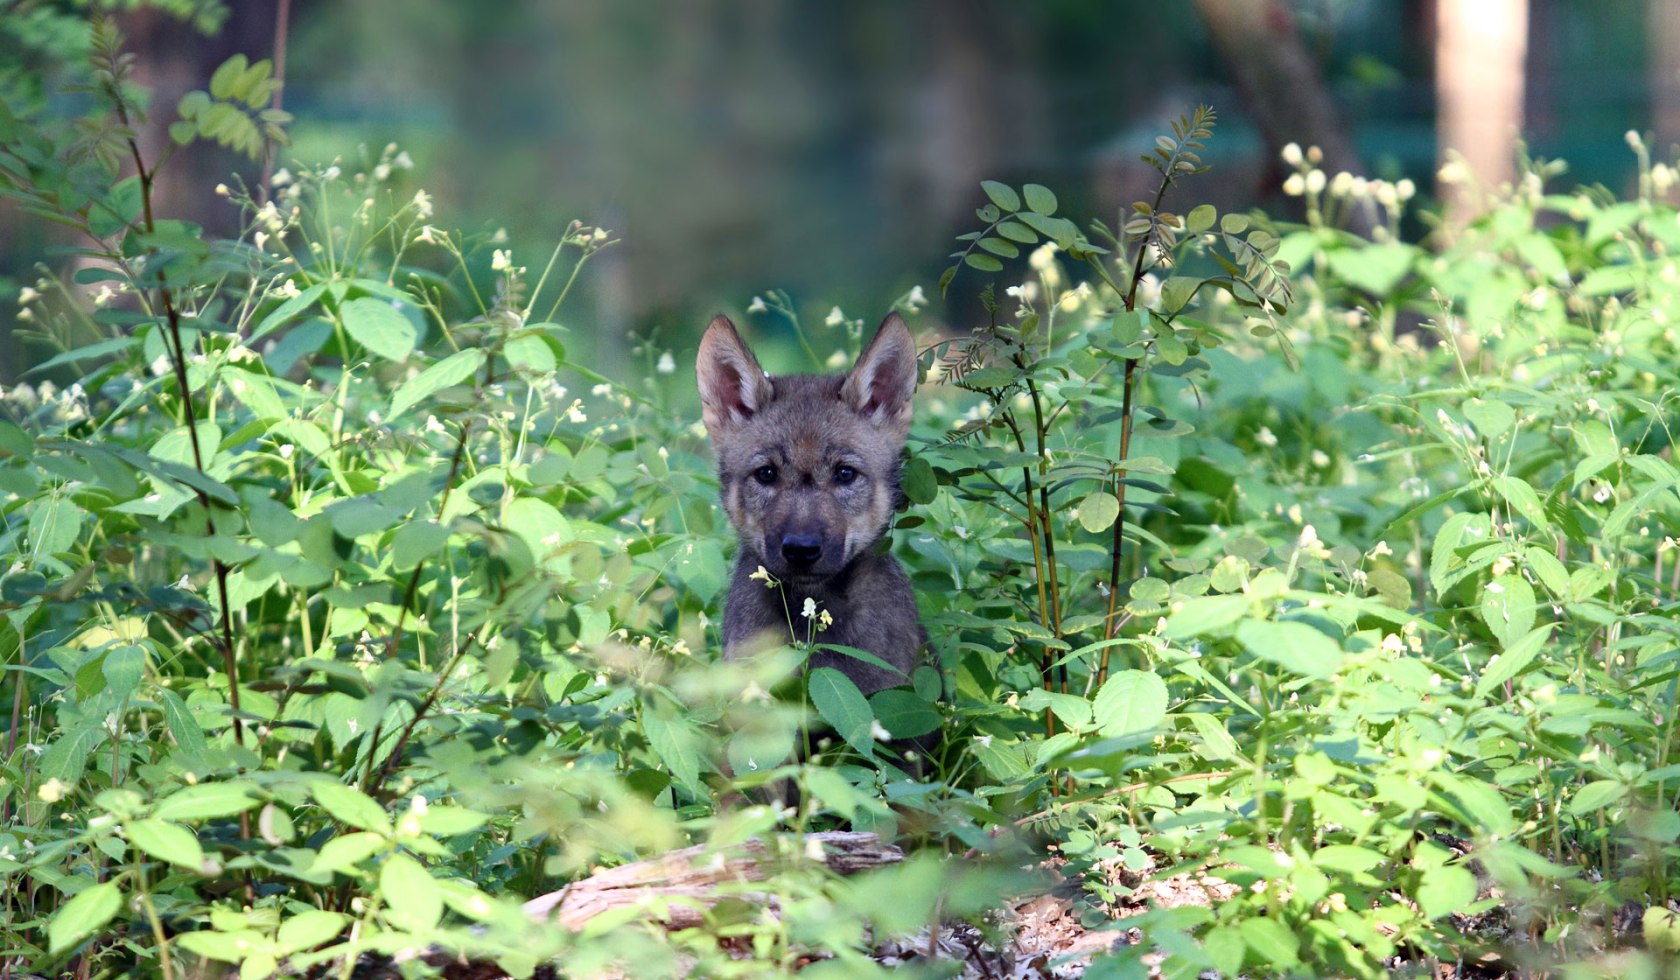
x,y
808,463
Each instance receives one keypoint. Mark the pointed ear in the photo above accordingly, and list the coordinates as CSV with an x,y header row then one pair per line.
x,y
882,381
733,387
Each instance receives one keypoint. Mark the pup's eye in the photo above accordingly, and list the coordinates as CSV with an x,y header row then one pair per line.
x,y
844,475
765,475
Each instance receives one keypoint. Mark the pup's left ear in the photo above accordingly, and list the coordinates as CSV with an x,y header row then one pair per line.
x,y
883,380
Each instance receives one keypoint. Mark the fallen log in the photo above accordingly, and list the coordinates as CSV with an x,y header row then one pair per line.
x,y
676,888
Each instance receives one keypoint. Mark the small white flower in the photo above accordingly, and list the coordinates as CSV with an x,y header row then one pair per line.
x,y
53,790
501,260
1292,154
281,178
1294,185
28,294
1315,181
222,190
667,364
757,305
1266,437
878,731
423,204
809,610
1320,458
835,317
331,173
916,299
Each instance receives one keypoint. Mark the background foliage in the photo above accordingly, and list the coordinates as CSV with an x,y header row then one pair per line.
x,y
344,609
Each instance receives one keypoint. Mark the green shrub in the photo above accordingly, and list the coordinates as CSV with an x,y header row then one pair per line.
x,y
342,612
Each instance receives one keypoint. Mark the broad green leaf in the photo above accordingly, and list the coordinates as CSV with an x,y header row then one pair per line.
x,y
345,851
1455,531
675,740
1507,607
1200,218
1521,497
412,899
1491,417
84,914
1294,646
183,727
918,482
452,370
1514,660
380,327
1130,702
167,842
205,801
1445,888
415,542
844,707
1039,198
905,713
985,263
1273,946
449,821
1098,511
1002,195
529,354
1596,796
350,805
306,930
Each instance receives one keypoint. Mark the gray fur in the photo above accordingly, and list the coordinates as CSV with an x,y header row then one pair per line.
x,y
805,428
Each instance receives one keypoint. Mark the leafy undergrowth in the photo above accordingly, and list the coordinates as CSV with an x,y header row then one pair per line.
x,y
1300,604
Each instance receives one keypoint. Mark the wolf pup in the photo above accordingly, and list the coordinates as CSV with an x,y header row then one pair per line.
x,y
809,466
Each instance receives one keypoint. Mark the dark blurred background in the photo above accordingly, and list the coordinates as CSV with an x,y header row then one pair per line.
x,y
834,149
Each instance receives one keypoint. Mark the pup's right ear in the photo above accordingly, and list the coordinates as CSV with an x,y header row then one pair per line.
x,y
733,388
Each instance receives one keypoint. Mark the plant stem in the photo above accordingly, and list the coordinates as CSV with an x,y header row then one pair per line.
x,y
282,21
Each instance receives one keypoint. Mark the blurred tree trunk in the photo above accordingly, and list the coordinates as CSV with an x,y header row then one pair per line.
x,y
1279,80
1664,40
1481,47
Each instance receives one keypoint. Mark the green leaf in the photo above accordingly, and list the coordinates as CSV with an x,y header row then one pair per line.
x,y
1002,195
167,842
205,801
1596,796
675,740
1273,945
452,370
1130,702
1521,497
415,542
380,327
449,821
530,354
1040,198
1017,232
844,707
1445,888
413,901
306,930
351,806
1443,557
183,727
905,713
226,75
983,262
1201,218
345,851
918,482
1507,607
66,758
1491,417
84,914
1000,247
1294,646
1514,660
1098,511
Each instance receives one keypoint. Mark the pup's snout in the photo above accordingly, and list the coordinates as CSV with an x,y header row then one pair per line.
x,y
801,551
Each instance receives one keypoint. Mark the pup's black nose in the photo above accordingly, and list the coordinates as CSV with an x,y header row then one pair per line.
x,y
801,550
